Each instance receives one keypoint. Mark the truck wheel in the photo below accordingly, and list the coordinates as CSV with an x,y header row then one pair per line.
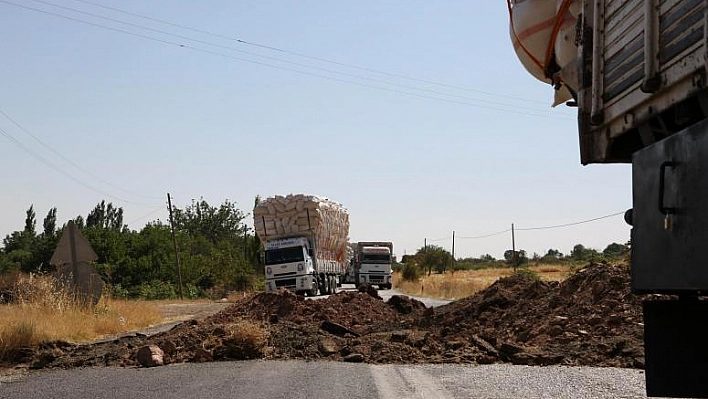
x,y
324,286
333,284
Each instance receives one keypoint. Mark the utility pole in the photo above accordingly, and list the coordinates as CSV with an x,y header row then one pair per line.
x,y
453,251
174,242
513,248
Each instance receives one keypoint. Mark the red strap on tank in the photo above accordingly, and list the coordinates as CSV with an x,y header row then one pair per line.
x,y
516,36
565,6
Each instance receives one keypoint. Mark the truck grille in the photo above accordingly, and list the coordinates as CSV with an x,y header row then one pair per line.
x,y
289,282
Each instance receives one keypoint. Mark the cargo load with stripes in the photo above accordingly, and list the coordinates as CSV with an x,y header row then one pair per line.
x,y
306,242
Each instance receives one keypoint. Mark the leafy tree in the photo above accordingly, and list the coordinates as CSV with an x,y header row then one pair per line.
x,y
515,261
20,246
31,223
50,223
581,253
105,216
407,258
552,256
615,250
433,257
200,218
410,272
487,258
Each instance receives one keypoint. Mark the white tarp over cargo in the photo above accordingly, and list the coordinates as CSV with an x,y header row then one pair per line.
x,y
294,215
543,33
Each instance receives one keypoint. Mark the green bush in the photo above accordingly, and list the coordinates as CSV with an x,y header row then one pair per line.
x,y
522,271
410,272
117,291
155,290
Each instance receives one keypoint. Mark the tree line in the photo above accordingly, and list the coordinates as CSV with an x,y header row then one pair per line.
x,y
433,258
217,251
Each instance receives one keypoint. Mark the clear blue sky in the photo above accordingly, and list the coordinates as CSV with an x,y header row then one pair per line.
x,y
423,122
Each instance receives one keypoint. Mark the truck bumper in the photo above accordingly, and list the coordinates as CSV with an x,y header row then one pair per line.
x,y
375,279
293,283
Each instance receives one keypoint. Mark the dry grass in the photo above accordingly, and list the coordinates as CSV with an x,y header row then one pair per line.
x,y
242,340
42,310
464,283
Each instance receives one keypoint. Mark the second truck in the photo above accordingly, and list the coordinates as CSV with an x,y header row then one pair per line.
x,y
371,263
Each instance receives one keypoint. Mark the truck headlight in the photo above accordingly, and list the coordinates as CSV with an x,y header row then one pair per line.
x,y
269,271
300,267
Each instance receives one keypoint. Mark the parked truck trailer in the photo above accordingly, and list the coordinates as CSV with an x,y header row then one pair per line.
x,y
636,71
305,238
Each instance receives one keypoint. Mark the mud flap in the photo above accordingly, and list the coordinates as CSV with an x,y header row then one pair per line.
x,y
676,348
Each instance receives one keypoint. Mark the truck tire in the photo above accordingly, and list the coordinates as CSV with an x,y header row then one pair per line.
x,y
333,284
324,285
315,288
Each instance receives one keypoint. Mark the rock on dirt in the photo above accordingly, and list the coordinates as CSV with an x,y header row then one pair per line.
x,y
590,319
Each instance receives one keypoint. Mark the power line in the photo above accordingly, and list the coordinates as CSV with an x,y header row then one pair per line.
x,y
570,224
542,227
56,168
74,164
315,58
486,235
440,239
182,45
281,60
157,209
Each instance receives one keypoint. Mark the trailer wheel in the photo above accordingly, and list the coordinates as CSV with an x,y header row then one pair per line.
x,y
333,284
324,285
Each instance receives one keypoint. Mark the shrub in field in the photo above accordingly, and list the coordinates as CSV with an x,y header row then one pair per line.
x,y
528,273
43,291
410,272
155,290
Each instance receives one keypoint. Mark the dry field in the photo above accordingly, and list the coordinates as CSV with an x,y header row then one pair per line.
x,y
42,311
464,283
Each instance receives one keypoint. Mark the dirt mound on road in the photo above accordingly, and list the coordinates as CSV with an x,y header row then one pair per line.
x,y
589,319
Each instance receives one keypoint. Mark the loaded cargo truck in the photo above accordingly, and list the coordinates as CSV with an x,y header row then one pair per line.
x,y
636,71
305,238
371,263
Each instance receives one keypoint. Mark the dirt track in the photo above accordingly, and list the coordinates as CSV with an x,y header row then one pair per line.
x,y
589,319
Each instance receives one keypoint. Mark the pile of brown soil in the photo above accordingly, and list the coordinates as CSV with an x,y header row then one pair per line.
x,y
590,319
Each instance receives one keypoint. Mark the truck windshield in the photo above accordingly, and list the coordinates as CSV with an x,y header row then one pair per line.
x,y
284,255
376,258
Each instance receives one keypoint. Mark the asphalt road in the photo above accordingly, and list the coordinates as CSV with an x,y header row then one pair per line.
x,y
314,380
387,294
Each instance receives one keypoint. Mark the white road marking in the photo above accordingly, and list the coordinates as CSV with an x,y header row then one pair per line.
x,y
396,382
